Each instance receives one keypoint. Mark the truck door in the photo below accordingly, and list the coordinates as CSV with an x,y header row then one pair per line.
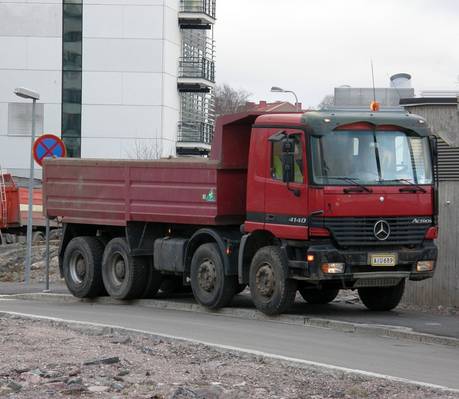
x,y
286,207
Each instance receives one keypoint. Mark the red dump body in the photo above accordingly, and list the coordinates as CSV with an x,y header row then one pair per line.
x,y
17,199
114,192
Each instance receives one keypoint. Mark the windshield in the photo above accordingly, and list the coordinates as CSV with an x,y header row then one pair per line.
x,y
370,157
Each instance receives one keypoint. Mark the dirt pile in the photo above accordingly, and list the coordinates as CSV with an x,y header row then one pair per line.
x,y
12,263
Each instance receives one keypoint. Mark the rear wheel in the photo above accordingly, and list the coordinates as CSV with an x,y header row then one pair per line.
x,y
55,234
125,276
211,287
37,237
271,290
382,298
82,267
317,296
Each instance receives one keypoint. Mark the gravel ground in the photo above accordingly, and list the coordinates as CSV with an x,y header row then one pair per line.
x,y
42,359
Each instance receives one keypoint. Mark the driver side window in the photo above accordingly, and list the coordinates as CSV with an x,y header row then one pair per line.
x,y
277,171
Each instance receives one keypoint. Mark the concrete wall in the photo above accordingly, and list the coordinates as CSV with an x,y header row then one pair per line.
x,y
30,56
443,289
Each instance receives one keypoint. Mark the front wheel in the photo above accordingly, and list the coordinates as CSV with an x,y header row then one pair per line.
x,y
271,290
211,287
382,298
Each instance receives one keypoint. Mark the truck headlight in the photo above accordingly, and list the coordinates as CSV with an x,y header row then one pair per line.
x,y
425,265
333,268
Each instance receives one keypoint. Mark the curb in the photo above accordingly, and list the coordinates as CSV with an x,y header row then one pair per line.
x,y
398,332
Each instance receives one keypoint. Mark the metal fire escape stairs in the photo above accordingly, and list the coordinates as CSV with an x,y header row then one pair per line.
x,y
196,77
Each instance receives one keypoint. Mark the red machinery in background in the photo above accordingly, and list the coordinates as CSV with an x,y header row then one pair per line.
x,y
14,211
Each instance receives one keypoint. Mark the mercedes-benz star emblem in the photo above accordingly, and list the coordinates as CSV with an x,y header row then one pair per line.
x,y
381,230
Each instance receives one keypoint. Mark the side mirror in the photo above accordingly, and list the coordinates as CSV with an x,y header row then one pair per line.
x,y
288,161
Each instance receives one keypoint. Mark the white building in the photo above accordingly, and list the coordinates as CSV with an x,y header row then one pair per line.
x,y
117,79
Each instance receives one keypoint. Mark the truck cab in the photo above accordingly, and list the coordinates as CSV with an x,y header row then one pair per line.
x,y
350,197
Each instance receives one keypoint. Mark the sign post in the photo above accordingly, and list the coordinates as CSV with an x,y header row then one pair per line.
x,y
47,146
47,256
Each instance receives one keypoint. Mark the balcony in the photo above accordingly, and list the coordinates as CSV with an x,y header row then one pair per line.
x,y
197,14
194,138
196,74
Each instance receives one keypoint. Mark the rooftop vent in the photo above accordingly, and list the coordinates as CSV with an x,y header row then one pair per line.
x,y
401,81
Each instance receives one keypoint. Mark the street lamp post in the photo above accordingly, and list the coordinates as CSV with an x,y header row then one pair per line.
x,y
34,96
276,89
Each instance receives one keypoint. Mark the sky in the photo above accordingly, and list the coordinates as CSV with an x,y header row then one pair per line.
x,y
312,46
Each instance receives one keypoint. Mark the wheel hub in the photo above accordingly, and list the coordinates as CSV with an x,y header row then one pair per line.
x,y
118,269
265,281
77,268
207,275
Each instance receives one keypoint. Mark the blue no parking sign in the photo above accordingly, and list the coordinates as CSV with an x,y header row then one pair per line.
x,y
48,146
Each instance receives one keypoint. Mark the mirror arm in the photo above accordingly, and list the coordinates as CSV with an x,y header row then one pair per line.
x,y
296,192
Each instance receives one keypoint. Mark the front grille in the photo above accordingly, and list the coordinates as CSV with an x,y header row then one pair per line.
x,y
359,231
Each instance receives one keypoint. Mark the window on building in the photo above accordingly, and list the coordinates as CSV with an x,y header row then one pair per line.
x,y
277,171
72,75
20,119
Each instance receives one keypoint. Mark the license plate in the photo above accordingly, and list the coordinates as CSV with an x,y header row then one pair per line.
x,y
383,260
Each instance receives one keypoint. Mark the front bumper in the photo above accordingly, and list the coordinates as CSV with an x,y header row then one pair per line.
x,y
358,272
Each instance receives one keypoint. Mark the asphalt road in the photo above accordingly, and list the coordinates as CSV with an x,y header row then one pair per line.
x,y
432,364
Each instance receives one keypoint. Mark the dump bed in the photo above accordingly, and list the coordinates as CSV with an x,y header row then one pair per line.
x,y
113,192
196,191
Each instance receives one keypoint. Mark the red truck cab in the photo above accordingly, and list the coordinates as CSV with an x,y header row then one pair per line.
x,y
315,202
359,211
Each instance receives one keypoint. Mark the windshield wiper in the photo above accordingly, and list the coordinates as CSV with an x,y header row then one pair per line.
x,y
352,180
416,187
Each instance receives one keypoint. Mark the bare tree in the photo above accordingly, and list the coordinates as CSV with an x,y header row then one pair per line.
x,y
327,102
146,149
229,100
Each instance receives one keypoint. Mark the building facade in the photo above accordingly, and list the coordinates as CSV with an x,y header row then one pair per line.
x,y
117,79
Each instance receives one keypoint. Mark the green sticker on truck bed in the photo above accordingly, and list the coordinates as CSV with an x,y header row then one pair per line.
x,y
211,196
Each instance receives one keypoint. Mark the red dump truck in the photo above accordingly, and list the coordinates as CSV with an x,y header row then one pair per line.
x,y
14,208
315,202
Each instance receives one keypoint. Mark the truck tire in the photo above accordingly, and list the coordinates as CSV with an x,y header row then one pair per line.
x,y
55,234
124,276
382,298
154,281
82,267
271,290
317,296
38,237
211,287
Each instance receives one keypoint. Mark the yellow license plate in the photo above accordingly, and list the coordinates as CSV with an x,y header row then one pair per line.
x,y
383,260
